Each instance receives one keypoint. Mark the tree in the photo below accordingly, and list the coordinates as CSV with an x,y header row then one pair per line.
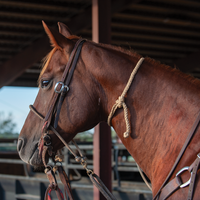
x,y
7,126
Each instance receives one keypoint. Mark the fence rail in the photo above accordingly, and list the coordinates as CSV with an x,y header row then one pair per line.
x,y
20,186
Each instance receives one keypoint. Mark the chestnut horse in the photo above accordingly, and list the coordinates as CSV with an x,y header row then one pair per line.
x,y
162,103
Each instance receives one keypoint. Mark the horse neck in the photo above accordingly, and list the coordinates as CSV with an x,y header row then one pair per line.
x,y
162,106
166,104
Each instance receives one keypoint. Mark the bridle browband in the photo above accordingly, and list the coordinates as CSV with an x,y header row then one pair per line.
x,y
61,88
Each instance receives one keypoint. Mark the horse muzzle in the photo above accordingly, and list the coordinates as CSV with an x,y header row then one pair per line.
x,y
29,153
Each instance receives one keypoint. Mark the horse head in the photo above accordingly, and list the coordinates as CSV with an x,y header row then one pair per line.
x,y
80,107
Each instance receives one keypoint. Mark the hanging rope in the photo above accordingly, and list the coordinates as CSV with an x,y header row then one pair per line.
x,y
120,101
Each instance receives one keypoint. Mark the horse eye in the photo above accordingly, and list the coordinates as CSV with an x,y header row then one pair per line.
x,y
44,83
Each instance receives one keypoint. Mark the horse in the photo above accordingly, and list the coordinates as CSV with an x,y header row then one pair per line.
x,y
162,104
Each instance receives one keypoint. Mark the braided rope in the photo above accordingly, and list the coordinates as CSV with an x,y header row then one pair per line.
x,y
120,101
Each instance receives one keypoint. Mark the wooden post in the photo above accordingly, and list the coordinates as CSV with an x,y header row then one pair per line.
x,y
101,32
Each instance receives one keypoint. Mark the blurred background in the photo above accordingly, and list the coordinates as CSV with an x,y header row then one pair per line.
x,y
165,30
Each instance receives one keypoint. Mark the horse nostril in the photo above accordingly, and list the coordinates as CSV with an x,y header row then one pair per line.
x,y
19,144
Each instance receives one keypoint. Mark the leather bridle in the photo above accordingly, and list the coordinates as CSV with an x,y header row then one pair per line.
x,y
61,88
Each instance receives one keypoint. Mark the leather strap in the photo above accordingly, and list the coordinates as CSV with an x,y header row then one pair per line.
x,y
53,102
170,188
71,62
65,180
60,101
192,131
67,82
176,183
48,193
53,185
193,177
101,187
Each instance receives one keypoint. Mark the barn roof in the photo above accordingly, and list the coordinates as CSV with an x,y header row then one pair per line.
x,y
167,30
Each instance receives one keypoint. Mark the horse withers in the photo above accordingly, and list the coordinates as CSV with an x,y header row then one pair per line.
x,y
162,105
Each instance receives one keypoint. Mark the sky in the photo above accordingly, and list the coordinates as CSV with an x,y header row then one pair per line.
x,y
16,100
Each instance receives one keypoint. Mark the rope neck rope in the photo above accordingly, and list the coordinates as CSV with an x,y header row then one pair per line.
x,y
120,101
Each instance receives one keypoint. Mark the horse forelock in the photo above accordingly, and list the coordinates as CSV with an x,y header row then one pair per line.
x,y
47,58
45,62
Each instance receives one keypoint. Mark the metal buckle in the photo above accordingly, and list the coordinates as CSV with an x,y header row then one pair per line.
x,y
62,87
188,182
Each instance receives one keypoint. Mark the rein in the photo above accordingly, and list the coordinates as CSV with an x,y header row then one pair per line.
x,y
61,88
168,189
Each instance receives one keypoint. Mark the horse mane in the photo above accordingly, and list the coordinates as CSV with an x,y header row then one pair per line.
x,y
45,63
174,70
191,79
122,50
153,62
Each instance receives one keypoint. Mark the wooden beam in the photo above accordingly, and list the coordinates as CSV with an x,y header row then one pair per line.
x,y
33,16
155,30
119,5
20,25
147,37
162,10
14,67
101,32
159,20
153,45
35,6
102,163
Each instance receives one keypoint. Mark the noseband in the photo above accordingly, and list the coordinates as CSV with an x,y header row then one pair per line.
x,y
61,88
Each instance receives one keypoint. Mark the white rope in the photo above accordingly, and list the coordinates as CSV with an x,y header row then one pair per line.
x,y
143,177
120,101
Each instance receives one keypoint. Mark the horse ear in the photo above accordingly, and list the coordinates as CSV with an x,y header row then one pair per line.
x,y
64,30
57,40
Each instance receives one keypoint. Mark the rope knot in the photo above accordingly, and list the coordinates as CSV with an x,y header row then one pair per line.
x,y
120,101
